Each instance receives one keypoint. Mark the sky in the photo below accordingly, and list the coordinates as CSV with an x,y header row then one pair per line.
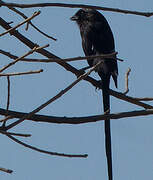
x,y
132,138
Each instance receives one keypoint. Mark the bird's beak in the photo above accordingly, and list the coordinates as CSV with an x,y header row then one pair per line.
x,y
74,18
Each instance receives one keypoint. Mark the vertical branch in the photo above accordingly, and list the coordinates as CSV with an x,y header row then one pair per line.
x,y
127,81
8,97
8,93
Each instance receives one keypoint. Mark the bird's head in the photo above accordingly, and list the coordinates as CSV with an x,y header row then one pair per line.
x,y
86,15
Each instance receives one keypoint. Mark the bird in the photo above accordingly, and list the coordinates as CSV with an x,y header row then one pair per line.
x,y
97,38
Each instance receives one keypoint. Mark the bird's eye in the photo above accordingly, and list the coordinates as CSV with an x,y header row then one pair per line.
x,y
82,12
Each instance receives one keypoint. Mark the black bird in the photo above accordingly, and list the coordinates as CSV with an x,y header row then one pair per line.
x,y
97,38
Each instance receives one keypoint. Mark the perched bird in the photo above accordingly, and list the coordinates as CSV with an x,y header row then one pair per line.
x,y
97,38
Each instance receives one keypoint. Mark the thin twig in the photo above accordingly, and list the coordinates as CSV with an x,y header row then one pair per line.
x,y
54,98
146,14
8,93
22,73
18,59
127,81
107,56
35,27
8,98
15,134
144,99
6,170
47,152
111,55
13,28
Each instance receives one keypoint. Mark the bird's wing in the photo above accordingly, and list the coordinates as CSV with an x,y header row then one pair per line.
x,y
87,46
102,38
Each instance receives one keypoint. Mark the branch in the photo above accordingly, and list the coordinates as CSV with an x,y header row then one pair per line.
x,y
144,99
18,59
25,17
111,55
75,120
13,28
15,134
22,73
146,14
6,170
47,152
129,99
127,81
8,93
8,100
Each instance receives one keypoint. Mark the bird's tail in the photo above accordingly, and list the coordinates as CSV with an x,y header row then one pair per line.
x,y
106,106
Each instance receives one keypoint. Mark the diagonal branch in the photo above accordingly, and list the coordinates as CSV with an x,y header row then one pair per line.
x,y
146,14
15,134
6,170
13,28
47,152
35,27
18,59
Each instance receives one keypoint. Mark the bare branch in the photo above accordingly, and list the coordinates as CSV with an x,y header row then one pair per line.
x,y
6,170
129,99
146,14
144,99
47,152
13,28
111,55
127,81
18,59
15,134
22,73
35,27
8,93
76,120
8,99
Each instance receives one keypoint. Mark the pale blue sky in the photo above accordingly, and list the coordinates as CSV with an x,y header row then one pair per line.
x,y
132,138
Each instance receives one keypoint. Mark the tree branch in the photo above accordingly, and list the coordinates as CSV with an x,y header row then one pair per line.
x,y
127,81
6,170
47,152
111,55
15,134
26,54
146,14
35,27
13,28
75,120
22,73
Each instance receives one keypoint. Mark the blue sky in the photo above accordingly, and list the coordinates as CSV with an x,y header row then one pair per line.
x,y
131,137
